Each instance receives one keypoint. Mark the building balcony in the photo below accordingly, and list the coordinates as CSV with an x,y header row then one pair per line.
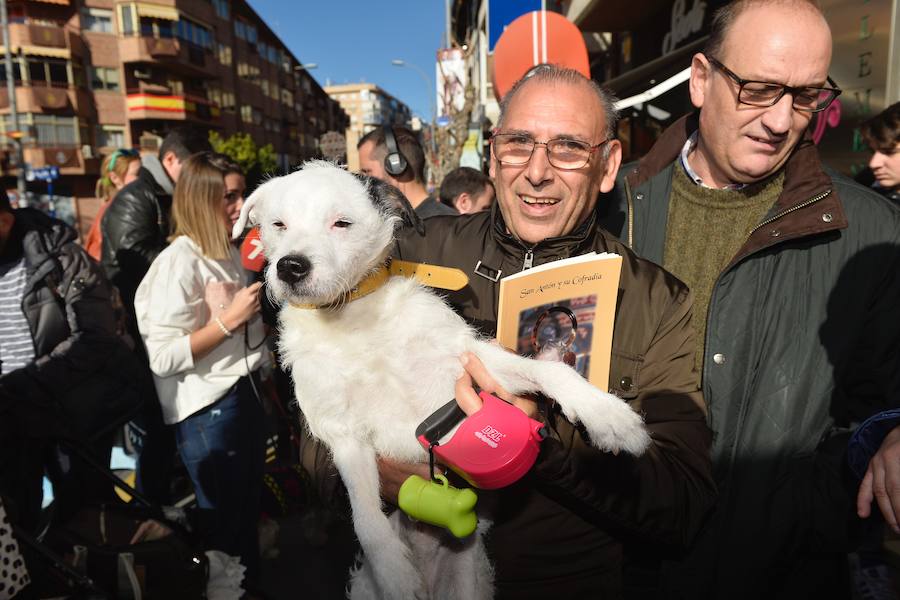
x,y
174,54
70,160
44,40
49,99
171,107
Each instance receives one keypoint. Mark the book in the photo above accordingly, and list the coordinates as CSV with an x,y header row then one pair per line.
x,y
567,306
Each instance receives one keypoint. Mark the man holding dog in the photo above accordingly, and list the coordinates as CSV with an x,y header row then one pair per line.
x,y
793,269
563,529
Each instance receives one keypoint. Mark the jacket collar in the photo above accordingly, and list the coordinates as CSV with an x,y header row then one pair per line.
x,y
794,213
562,246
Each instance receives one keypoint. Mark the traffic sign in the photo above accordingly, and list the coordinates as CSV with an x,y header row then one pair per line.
x,y
47,174
333,145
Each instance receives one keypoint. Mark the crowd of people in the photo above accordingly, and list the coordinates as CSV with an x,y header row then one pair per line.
x,y
756,330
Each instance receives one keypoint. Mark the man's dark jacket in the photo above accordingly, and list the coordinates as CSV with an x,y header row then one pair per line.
x,y
802,339
134,231
559,532
83,375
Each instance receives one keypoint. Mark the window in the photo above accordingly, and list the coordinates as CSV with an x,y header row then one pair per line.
x,y
251,33
214,95
224,53
157,28
194,33
17,71
51,130
48,72
221,7
228,103
97,20
105,78
177,86
264,85
110,136
246,113
126,20
240,30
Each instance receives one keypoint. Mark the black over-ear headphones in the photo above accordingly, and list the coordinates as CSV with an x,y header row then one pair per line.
x,y
394,163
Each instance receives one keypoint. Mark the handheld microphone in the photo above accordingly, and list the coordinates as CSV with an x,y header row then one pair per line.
x,y
252,257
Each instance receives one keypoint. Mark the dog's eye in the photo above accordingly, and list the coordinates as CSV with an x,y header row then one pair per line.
x,y
342,223
279,225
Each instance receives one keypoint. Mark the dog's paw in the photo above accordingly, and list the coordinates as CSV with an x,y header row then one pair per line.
x,y
610,423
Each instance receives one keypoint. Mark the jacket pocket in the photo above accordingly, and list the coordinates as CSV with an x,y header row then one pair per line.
x,y
624,375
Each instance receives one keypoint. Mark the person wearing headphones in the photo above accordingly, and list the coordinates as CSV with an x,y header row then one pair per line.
x,y
394,155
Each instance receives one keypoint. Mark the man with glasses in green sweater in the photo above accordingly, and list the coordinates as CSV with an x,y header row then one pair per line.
x,y
793,271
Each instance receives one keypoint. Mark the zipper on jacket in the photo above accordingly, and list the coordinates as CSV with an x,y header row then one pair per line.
x,y
529,259
812,200
630,209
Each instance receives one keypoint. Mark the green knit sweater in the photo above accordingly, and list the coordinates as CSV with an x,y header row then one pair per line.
x,y
706,228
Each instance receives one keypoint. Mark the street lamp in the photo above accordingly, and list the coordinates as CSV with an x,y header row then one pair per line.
x,y
430,91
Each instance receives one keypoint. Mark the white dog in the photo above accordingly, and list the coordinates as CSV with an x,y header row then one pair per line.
x,y
368,370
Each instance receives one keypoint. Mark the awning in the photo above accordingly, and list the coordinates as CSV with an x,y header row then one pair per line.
x,y
613,15
645,76
157,11
39,51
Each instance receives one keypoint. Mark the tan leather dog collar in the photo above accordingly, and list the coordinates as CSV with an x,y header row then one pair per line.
x,y
443,278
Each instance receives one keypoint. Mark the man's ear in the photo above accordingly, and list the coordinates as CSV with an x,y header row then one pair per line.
x,y
611,166
701,70
463,203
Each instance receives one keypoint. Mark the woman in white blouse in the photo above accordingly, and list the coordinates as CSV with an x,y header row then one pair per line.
x,y
199,319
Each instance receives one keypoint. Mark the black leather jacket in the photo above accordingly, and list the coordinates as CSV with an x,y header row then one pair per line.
x,y
134,230
82,374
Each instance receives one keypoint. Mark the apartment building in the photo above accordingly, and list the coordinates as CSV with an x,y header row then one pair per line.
x,y
368,106
95,75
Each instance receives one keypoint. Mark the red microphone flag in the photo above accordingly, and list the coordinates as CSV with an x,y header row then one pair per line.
x,y
252,252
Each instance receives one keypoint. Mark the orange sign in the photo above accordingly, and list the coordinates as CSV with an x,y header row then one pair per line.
x,y
535,38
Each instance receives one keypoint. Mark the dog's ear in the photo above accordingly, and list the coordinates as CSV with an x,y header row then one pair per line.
x,y
387,197
249,210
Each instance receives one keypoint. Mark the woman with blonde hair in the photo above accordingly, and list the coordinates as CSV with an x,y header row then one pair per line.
x,y
199,320
117,170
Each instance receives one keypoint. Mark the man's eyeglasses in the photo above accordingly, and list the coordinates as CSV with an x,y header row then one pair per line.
x,y
563,153
765,93
120,152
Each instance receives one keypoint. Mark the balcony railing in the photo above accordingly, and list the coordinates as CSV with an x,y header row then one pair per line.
x,y
174,53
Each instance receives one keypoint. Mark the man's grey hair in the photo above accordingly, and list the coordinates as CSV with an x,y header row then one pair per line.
x,y
547,73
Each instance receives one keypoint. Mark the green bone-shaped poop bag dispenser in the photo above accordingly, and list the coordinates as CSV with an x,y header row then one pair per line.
x,y
439,503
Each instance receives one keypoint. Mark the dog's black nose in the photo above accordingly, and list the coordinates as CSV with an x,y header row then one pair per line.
x,y
292,269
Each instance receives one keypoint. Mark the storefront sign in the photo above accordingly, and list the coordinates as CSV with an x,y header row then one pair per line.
x,y
685,23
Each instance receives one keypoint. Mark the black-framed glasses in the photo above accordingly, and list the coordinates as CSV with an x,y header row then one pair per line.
x,y
562,153
765,93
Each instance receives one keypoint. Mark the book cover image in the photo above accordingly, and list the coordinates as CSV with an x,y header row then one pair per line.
x,y
569,304
551,326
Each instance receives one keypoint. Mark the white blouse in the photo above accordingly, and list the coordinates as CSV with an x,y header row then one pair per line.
x,y
181,293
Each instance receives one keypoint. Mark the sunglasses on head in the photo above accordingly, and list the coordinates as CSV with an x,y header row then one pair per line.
x,y
120,152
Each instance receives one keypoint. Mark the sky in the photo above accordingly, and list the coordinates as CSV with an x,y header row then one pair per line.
x,y
355,40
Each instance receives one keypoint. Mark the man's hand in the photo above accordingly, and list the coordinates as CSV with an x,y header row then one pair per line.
x,y
882,482
393,473
468,398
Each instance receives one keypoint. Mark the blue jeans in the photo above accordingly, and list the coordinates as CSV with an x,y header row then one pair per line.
x,y
223,450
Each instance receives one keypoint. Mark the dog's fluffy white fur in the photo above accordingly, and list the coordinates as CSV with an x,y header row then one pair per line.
x,y
367,372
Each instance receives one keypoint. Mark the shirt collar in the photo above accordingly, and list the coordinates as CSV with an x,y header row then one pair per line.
x,y
688,147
